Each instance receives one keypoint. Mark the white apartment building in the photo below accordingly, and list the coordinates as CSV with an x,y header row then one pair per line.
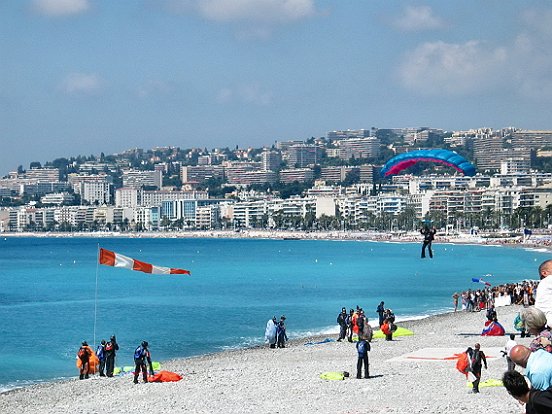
x,y
139,179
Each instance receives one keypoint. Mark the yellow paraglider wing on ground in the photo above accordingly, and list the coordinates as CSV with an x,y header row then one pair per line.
x,y
399,332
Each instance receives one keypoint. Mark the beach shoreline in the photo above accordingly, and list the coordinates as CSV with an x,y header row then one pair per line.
x,y
240,380
535,241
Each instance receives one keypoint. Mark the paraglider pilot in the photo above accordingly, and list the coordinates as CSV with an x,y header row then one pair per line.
x,y
429,235
141,357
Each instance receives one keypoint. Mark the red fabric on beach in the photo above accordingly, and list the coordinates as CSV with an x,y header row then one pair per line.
x,y
165,376
493,328
110,258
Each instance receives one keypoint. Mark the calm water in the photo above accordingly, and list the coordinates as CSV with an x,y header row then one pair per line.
x,y
47,292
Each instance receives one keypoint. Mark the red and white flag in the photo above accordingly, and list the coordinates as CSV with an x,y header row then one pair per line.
x,y
110,258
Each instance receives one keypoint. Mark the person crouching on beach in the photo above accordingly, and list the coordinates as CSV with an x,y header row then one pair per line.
x,y
141,356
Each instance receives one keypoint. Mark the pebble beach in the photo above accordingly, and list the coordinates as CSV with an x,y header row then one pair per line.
x,y
411,374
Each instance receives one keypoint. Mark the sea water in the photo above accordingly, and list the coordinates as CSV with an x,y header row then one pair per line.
x,y
54,295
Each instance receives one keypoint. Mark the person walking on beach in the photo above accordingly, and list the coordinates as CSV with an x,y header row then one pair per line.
x,y
544,290
429,236
362,346
100,353
281,333
380,310
510,343
110,351
141,356
83,360
476,360
342,322
270,332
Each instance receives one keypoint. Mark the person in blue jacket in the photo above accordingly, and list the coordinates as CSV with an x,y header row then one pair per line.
x,y
100,353
281,336
141,357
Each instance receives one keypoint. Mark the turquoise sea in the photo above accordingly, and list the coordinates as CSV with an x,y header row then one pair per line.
x,y
48,292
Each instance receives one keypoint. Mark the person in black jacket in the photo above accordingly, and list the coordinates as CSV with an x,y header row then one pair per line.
x,y
536,402
342,321
429,235
141,357
110,350
477,359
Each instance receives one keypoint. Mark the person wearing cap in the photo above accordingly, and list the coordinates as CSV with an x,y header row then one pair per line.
x,y
110,350
342,322
141,356
281,336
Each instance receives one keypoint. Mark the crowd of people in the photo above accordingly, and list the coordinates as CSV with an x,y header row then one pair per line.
x,y
103,360
475,300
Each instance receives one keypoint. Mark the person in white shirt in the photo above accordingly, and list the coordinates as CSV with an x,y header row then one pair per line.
x,y
507,348
544,290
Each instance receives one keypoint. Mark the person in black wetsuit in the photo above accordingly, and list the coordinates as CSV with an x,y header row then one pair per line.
x,y
342,321
141,357
110,350
380,310
477,359
429,235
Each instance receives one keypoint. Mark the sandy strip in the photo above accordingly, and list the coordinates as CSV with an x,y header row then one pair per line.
x,y
262,380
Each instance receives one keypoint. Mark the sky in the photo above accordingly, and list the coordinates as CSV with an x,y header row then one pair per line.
x,y
81,77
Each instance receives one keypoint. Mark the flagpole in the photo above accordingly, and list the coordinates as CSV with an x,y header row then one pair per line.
x,y
96,293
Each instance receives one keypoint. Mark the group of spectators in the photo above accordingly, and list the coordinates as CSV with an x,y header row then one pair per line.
x,y
474,300
536,359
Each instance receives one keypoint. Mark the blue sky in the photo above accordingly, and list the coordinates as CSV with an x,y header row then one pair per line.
x,y
91,76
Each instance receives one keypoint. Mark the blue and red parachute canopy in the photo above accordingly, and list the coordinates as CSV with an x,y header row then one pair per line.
x,y
442,156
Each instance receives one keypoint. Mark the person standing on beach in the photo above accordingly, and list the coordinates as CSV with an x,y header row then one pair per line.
x,y
362,346
350,325
342,322
110,350
83,360
429,236
455,301
100,353
507,348
141,356
476,360
380,310
270,332
544,290
281,333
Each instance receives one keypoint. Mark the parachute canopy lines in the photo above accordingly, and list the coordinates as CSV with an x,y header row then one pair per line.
x,y
442,156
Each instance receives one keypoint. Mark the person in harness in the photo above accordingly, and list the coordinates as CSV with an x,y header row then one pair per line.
x,y
83,360
141,356
110,350
100,353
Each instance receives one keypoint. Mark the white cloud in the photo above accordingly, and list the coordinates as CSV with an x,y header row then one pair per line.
x,y
448,68
156,87
418,19
82,83
260,11
60,8
251,93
